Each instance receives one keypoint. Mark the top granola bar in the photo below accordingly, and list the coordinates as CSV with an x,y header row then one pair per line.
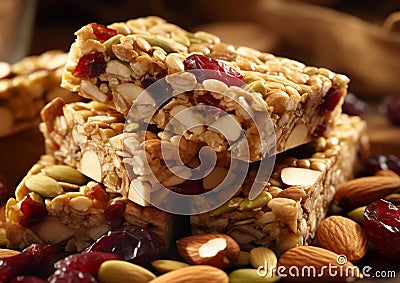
x,y
115,64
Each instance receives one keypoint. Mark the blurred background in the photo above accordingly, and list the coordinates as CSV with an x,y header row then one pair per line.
x,y
354,37
359,38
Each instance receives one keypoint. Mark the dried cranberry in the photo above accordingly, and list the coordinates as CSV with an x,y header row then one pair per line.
x,y
330,100
354,106
382,227
71,276
378,161
222,72
320,130
132,243
90,65
33,212
28,260
27,279
97,192
390,106
101,32
115,212
189,187
85,262
208,99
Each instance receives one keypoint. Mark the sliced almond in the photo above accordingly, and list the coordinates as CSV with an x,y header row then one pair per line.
x,y
228,126
293,176
138,192
90,166
297,137
53,231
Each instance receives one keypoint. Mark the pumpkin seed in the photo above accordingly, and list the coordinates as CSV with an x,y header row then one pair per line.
x,y
67,174
44,186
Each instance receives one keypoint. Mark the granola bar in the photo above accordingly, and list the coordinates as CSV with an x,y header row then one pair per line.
x,y
114,64
26,86
296,197
72,214
91,137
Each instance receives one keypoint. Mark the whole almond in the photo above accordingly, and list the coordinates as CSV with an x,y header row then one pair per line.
x,y
362,191
387,173
194,274
315,264
217,250
342,236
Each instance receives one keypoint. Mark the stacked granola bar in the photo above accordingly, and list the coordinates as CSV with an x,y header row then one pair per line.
x,y
160,95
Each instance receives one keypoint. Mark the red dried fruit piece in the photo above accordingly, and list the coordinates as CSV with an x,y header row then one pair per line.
x,y
71,276
330,100
390,107
222,72
101,32
132,243
354,106
320,130
33,212
28,260
378,161
382,227
97,192
90,65
27,279
85,262
115,211
189,187
208,99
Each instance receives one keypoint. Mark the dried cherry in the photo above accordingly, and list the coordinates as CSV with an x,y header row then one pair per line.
x,y
330,100
102,32
85,262
390,106
378,161
33,212
90,65
189,187
71,276
222,72
27,279
26,262
97,192
131,243
382,227
208,99
115,211
354,106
